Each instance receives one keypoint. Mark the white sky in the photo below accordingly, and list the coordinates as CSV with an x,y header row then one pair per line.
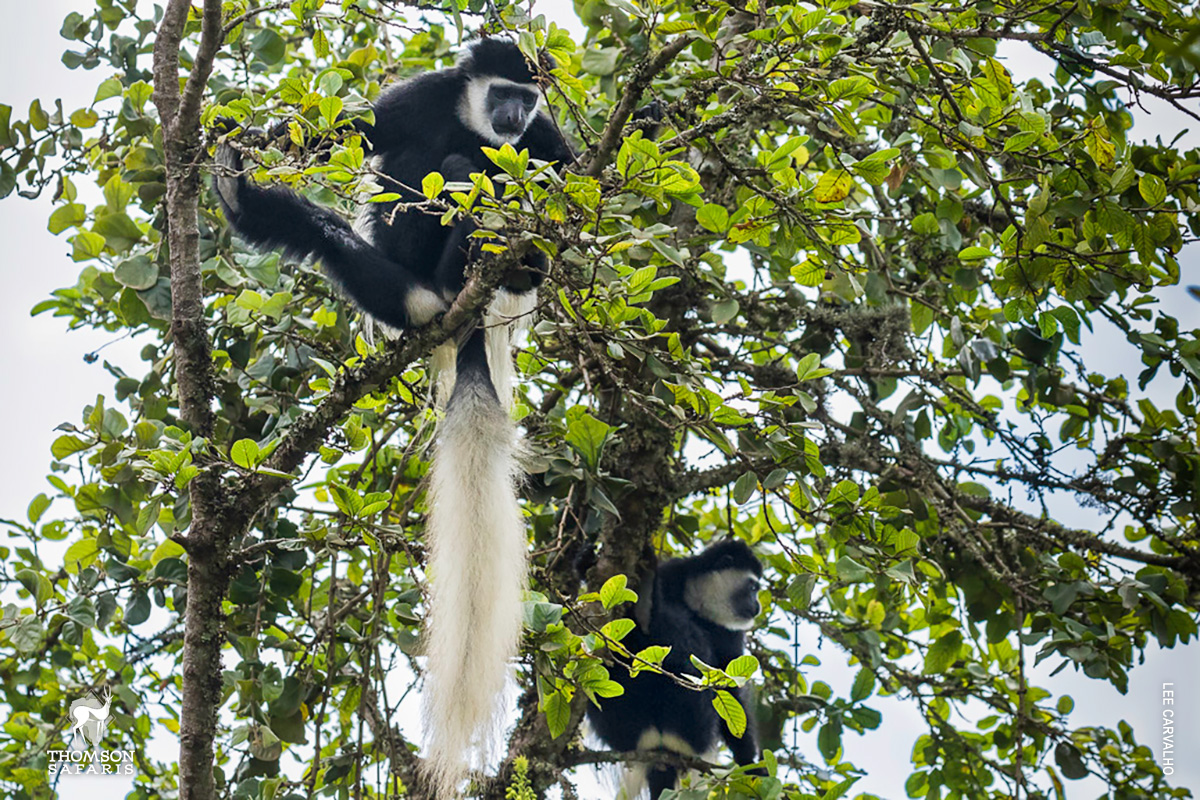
x,y
48,383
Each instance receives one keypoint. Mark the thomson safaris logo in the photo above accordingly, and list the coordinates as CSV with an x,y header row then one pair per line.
x,y
87,721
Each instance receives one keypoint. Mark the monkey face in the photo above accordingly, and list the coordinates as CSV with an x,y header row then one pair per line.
x,y
510,106
497,109
726,597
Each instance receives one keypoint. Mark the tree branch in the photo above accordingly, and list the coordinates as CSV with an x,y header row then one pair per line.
x,y
212,529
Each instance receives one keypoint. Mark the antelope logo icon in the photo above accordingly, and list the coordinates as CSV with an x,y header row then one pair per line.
x,y
90,717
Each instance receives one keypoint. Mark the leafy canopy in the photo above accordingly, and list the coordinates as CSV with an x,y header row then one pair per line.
x,y
841,307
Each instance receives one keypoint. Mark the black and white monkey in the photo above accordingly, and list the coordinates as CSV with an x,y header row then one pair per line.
x,y
698,606
403,269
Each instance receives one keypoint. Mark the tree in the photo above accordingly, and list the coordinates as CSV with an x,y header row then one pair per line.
x,y
836,308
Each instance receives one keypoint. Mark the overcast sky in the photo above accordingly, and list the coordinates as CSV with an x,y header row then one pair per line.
x,y
48,382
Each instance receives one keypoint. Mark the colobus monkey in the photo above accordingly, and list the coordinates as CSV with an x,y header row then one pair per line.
x,y
403,270
698,606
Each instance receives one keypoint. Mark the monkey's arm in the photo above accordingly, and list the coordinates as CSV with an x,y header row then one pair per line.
x,y
745,747
278,219
461,248
546,143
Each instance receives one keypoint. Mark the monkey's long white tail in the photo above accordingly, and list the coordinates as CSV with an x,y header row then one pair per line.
x,y
476,563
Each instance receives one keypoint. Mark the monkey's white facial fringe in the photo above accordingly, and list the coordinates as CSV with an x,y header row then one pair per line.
x,y
710,596
472,109
477,569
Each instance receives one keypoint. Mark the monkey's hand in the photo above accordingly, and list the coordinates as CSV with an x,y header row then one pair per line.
x,y
650,117
230,178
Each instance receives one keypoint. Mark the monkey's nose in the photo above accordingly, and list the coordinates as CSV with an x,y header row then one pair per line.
x,y
508,120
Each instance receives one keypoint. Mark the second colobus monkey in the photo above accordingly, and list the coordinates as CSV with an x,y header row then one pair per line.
x,y
403,270
698,606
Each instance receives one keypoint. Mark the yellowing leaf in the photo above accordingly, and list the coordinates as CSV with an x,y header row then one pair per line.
x,y
1099,144
834,186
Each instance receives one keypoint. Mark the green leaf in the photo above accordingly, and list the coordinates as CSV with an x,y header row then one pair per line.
x,y
1070,761
331,108
649,659
974,253
26,635
725,311
269,46
640,280
607,688
172,570
8,179
167,549
37,584
138,272
86,245
614,592
742,667
37,507
558,713
1099,144
137,608
320,43
926,224
66,445
138,94
601,61
851,571
586,434
942,654
713,217
1021,141
744,487
1153,189
808,273
7,137
246,454
432,185
109,88
846,491
864,684
829,740
731,711
80,555
68,216
618,629
809,368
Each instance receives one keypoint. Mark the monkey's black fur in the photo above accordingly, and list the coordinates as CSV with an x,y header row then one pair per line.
x,y
419,128
655,706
